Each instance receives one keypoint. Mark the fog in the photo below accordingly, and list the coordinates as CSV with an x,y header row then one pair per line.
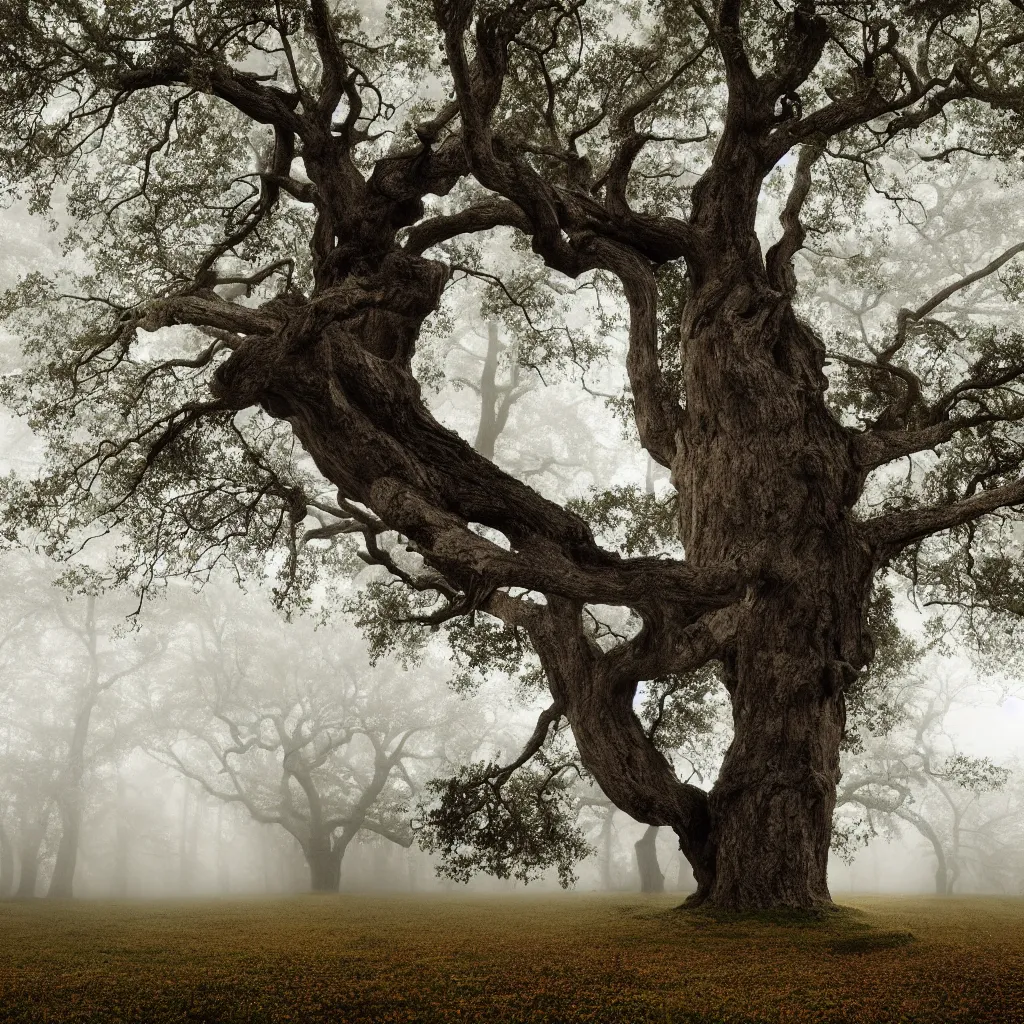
x,y
170,733
202,744
119,713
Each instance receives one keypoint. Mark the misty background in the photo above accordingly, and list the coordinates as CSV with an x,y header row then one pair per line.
x,y
197,743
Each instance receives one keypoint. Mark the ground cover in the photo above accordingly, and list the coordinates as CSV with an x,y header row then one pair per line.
x,y
574,957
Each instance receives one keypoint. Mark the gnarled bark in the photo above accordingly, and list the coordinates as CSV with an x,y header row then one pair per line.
x,y
766,476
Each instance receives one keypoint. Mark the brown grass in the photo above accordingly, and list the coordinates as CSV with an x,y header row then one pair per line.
x,y
502,959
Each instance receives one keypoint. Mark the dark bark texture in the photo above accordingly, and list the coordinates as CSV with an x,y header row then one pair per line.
x,y
767,478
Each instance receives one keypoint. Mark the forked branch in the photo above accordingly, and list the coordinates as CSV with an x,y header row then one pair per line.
x,y
905,317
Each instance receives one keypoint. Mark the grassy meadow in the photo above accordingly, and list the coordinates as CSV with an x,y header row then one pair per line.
x,y
504,959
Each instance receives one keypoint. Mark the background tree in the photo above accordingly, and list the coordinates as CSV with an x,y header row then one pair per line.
x,y
914,774
68,654
292,725
105,666
297,280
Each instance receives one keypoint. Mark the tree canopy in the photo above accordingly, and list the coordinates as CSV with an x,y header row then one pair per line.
x,y
269,201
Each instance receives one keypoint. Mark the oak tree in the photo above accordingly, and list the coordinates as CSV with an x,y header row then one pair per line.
x,y
915,775
288,187
291,725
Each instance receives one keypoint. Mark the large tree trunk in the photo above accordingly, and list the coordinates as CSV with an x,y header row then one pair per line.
x,y
324,860
651,878
766,478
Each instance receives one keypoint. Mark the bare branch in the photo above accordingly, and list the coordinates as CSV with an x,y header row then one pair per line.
x,y
905,316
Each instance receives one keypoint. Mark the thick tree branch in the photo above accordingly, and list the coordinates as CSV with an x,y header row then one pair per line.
x,y
334,79
779,257
663,648
631,142
876,448
208,311
404,839
894,531
804,45
726,30
657,410
541,564
610,736
264,104
905,317
481,216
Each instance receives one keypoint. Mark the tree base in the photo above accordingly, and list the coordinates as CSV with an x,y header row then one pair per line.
x,y
773,915
708,902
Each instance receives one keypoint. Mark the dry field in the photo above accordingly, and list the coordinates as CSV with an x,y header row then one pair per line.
x,y
504,959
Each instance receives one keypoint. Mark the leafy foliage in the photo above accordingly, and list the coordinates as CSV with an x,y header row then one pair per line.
x,y
510,827
268,202
631,519
875,703
978,774
681,714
